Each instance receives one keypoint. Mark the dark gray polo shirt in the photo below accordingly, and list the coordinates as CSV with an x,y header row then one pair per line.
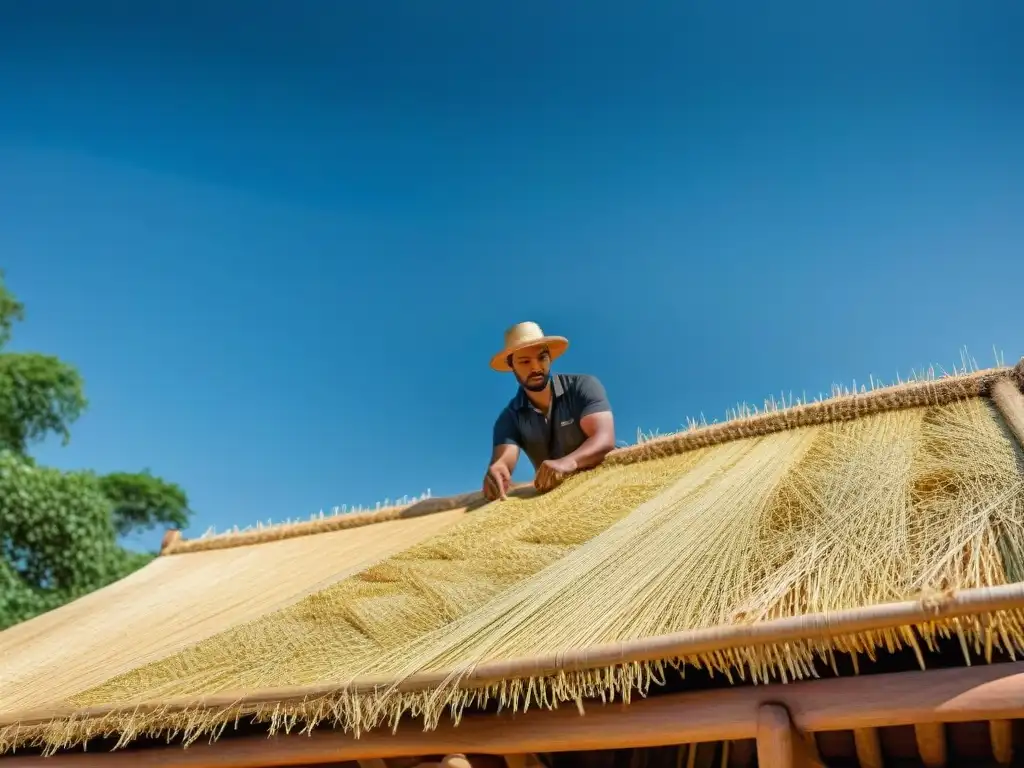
x,y
574,396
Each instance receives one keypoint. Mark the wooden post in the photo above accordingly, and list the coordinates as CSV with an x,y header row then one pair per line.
x,y
869,748
455,761
931,744
1001,734
779,745
172,536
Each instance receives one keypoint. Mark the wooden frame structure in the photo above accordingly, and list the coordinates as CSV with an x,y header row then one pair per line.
x,y
782,722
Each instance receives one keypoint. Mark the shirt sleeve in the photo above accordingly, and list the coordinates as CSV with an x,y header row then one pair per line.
x,y
505,430
593,398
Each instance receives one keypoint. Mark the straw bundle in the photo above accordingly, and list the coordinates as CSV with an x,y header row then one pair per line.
x,y
890,506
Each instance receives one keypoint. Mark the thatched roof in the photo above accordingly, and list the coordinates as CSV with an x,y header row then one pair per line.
x,y
740,547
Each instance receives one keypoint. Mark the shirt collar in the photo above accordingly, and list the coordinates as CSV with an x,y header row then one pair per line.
x,y
522,401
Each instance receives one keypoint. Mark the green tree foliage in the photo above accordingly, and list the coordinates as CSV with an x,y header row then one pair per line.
x,y
59,530
142,501
39,394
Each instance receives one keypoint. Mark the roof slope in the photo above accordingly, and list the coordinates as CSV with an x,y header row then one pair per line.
x,y
175,602
859,501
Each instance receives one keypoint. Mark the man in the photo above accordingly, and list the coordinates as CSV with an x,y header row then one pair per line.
x,y
563,421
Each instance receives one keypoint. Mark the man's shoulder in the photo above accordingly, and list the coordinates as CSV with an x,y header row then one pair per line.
x,y
580,381
508,410
585,388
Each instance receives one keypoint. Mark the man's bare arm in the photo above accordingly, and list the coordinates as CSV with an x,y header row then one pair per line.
x,y
498,478
600,431
507,454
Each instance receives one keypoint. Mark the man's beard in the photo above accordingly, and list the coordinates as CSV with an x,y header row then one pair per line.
x,y
540,386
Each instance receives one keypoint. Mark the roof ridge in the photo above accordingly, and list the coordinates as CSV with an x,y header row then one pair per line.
x,y
745,421
175,544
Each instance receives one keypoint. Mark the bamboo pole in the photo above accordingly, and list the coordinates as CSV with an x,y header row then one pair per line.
x,y
967,694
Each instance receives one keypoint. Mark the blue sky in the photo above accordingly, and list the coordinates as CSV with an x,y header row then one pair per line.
x,y
282,240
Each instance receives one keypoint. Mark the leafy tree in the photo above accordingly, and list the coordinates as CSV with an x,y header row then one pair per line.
x,y
59,530
39,394
142,501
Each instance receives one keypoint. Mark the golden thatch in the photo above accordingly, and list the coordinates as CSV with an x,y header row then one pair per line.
x,y
904,493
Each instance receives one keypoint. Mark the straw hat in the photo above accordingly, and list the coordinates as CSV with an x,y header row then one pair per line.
x,y
524,335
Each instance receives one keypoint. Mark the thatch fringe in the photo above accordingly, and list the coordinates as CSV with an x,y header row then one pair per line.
x,y
843,407
357,711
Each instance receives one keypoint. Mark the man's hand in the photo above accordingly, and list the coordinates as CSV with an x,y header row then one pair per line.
x,y
553,472
497,481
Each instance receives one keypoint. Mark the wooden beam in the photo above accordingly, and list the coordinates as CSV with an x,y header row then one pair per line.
x,y
869,748
968,694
